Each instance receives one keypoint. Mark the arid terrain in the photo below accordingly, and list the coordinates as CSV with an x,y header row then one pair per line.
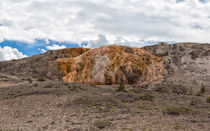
x,y
33,95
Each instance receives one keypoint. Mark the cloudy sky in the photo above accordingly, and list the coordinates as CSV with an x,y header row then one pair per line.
x,y
29,27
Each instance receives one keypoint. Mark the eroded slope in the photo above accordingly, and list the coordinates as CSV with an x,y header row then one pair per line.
x,y
113,65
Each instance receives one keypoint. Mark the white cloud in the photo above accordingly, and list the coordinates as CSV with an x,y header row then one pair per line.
x,y
79,20
120,40
8,53
55,47
42,50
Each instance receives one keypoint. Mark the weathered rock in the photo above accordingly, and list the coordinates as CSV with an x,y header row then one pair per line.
x,y
113,65
40,65
188,65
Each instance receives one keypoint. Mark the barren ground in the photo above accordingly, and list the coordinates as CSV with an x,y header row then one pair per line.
x,y
29,104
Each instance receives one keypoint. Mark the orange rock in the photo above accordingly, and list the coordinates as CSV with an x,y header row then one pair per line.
x,y
113,64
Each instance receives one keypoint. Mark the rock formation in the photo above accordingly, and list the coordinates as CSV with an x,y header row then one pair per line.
x,y
113,65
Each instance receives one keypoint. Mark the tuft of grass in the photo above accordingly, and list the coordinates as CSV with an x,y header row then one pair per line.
x,y
174,110
101,124
76,88
41,78
208,99
121,88
146,97
35,84
202,90
178,126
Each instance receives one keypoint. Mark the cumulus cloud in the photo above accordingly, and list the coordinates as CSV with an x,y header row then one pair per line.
x,y
55,47
79,20
8,53
119,40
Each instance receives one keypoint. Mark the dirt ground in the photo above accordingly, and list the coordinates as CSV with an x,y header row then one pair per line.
x,y
30,104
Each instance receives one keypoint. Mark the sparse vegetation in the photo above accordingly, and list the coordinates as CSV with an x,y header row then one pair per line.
x,y
76,88
121,88
175,110
41,78
179,126
208,99
202,90
146,97
101,124
35,84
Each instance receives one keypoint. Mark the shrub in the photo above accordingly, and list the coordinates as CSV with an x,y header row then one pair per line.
x,y
41,78
101,124
121,87
76,88
203,89
174,110
146,97
208,99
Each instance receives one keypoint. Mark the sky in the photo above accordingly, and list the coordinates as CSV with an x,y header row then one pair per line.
x,y
29,27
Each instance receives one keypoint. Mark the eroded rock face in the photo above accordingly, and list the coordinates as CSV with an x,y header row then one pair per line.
x,y
188,66
113,65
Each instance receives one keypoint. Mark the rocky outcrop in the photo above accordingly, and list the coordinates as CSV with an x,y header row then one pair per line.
x,y
113,65
44,65
188,66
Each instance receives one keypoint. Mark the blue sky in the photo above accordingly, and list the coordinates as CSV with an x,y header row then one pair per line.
x,y
37,46
29,27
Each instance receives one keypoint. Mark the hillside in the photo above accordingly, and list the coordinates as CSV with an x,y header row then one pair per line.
x,y
113,64
162,87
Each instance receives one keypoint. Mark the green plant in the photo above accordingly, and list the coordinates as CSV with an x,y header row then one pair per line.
x,y
41,78
179,126
101,124
121,87
174,110
208,99
146,97
203,89
76,88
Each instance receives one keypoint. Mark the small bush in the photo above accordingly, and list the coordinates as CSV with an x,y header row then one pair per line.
x,y
121,87
41,78
174,110
146,97
35,84
76,88
179,126
208,99
101,124
203,89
